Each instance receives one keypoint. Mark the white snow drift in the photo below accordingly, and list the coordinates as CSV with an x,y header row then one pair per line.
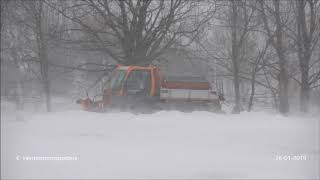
x,y
160,145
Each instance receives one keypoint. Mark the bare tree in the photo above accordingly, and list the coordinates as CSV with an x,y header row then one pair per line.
x,y
277,40
258,64
137,32
12,50
38,13
241,23
29,25
235,57
239,51
306,38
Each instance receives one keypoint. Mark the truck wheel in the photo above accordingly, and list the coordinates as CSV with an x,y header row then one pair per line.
x,y
147,106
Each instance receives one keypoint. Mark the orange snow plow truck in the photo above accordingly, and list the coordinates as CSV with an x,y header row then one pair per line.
x,y
140,88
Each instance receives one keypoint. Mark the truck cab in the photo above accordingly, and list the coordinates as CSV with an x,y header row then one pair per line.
x,y
135,80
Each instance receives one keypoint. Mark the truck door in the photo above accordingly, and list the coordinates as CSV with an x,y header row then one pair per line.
x,y
138,83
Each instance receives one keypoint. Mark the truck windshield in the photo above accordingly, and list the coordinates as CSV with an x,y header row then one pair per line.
x,y
116,79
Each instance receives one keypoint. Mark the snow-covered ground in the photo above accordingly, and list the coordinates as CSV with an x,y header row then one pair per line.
x,y
160,145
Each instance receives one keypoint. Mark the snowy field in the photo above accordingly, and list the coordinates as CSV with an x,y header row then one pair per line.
x,y
160,145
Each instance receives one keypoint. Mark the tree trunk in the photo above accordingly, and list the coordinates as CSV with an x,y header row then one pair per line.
x,y
304,53
48,96
19,95
252,91
283,91
235,62
18,92
304,91
305,86
42,42
237,106
283,75
45,71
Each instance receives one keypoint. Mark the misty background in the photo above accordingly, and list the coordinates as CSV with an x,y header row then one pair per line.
x,y
260,54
